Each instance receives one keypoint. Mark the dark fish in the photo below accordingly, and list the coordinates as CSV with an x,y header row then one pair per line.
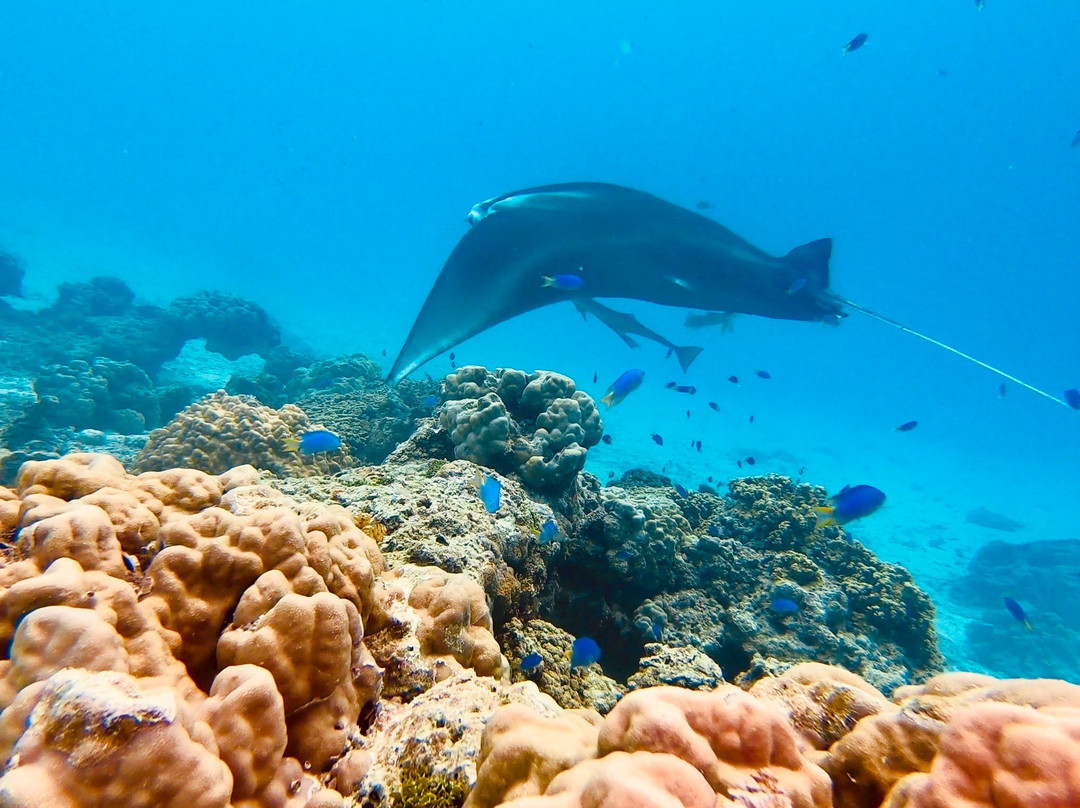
x,y
801,470
698,445
452,356
751,419
671,385
710,478
595,376
531,662
763,374
384,351
631,244
704,204
688,413
681,490
1072,398
1017,611
659,441
857,42
453,365
714,405
686,388
907,426
584,652
851,503
750,461
733,379
784,606
1001,390
738,463
606,439
610,474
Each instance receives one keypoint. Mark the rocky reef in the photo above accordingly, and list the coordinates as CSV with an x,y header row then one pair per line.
x,y
265,629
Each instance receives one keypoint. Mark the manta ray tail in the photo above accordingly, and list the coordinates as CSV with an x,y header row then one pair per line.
x,y
969,357
686,354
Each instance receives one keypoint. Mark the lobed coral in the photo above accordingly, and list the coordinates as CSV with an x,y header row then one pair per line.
x,y
221,431
537,425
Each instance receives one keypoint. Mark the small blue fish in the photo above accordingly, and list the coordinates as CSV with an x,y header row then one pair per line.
x,y
623,386
549,531
763,374
430,401
531,662
697,443
681,490
857,42
584,652
784,606
713,405
733,379
491,494
605,439
750,461
671,385
657,439
1072,398
796,285
1017,611
686,388
851,503
318,440
907,426
623,554
657,631
568,283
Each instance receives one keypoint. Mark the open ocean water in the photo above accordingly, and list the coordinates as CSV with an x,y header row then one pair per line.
x,y
320,160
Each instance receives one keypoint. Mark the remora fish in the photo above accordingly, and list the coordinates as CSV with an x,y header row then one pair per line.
x,y
629,244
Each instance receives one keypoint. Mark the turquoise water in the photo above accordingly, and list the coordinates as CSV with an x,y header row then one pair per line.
x,y
321,163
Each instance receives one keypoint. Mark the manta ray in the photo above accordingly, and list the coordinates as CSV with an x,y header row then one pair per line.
x,y
617,242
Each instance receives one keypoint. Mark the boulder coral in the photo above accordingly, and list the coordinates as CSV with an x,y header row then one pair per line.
x,y
204,627
538,425
221,431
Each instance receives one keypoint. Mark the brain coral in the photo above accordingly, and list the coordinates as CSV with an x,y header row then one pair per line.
x,y
537,425
221,431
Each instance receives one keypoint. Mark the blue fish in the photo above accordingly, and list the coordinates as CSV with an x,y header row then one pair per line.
x,y
567,283
623,554
851,503
531,662
491,494
430,401
623,386
318,440
606,439
1017,611
1072,398
763,374
657,439
549,531
857,42
907,427
681,490
784,606
584,652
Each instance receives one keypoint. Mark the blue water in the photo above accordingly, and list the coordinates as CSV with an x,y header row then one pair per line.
x,y
321,162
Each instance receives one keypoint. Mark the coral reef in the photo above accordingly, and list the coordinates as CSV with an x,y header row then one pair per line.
x,y
700,571
231,325
537,425
1043,576
221,431
11,276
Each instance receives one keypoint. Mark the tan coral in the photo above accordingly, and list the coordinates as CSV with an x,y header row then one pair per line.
x,y
736,741
522,751
823,702
631,780
995,754
10,504
309,640
83,532
91,739
221,431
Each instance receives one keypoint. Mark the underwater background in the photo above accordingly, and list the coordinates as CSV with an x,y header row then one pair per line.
x,y
320,162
